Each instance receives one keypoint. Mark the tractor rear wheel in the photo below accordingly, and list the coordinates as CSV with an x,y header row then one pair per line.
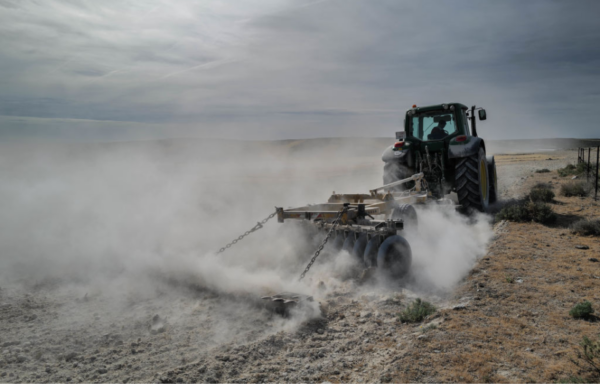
x,y
491,163
473,182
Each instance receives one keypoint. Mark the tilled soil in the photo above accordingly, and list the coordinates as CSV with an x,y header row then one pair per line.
x,y
506,321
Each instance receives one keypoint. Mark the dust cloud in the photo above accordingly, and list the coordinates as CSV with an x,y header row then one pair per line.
x,y
144,220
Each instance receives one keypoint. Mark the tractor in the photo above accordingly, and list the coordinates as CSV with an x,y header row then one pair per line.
x,y
438,142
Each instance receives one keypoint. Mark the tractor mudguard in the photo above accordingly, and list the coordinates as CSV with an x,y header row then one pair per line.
x,y
466,148
400,156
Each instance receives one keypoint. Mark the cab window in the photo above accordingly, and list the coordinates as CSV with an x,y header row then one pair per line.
x,y
433,126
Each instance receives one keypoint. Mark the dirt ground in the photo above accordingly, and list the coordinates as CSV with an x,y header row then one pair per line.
x,y
506,321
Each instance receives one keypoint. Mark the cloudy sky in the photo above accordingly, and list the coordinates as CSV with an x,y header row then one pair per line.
x,y
273,69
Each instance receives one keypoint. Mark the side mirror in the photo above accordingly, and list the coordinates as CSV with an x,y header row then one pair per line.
x,y
400,135
482,114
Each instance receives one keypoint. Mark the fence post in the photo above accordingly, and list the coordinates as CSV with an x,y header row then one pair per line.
x,y
588,165
597,171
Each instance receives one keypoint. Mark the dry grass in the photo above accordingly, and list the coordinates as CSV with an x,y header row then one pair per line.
x,y
519,331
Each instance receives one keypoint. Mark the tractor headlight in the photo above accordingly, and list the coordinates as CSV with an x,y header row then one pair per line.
x,y
445,106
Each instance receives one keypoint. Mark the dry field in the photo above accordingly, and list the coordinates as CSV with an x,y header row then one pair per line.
x,y
503,319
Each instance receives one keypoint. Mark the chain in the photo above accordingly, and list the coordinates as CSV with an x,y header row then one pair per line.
x,y
258,226
318,251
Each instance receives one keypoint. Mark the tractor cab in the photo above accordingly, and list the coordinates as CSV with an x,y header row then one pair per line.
x,y
439,142
436,122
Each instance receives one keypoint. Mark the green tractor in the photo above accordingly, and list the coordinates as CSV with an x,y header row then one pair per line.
x,y
438,142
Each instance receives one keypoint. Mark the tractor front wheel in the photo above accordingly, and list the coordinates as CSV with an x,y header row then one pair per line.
x,y
473,182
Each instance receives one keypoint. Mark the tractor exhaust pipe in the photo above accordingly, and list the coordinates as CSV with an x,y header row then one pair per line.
x,y
473,124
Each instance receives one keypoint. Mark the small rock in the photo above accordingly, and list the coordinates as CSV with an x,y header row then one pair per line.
x,y
582,247
459,307
593,259
519,281
422,337
573,178
365,341
102,371
320,331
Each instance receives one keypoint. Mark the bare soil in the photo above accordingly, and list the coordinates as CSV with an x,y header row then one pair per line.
x,y
507,320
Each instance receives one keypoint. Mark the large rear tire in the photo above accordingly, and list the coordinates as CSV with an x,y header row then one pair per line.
x,y
472,182
491,163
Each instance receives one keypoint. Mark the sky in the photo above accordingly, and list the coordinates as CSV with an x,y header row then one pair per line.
x,y
88,70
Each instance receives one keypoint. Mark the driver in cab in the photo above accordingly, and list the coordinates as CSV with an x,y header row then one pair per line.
x,y
438,133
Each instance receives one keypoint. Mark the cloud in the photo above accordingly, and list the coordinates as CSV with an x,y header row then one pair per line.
x,y
273,69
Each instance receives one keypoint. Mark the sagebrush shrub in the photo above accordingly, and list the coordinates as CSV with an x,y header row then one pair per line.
x,y
541,192
416,311
582,310
586,227
525,211
571,170
574,189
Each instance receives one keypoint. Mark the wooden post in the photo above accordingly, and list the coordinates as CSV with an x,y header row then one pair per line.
x,y
597,171
588,165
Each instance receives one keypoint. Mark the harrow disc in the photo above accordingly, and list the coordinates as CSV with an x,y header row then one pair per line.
x,y
408,215
359,246
349,243
395,256
370,254
338,241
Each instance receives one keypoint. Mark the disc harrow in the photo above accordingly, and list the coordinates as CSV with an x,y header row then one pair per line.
x,y
371,227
